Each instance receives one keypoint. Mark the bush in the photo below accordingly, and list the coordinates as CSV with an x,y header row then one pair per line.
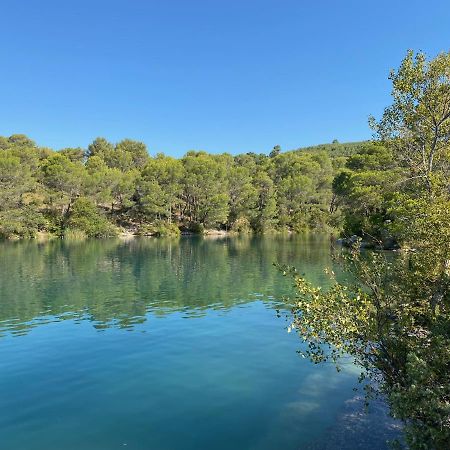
x,y
21,223
196,228
168,229
74,235
86,217
159,228
241,225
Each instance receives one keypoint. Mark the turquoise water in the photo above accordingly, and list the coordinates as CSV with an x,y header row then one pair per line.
x,y
155,344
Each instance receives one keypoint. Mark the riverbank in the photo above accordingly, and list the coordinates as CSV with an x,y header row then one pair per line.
x,y
126,233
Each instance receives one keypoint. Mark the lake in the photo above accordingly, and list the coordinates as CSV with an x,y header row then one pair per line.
x,y
167,344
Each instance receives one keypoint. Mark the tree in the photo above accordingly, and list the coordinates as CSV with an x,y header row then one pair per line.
x,y
100,147
394,321
136,150
65,178
303,182
100,181
160,187
264,214
85,217
123,187
74,154
21,140
205,190
293,194
417,125
110,185
242,194
365,188
275,151
19,213
196,191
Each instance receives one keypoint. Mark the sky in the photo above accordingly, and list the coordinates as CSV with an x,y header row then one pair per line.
x,y
216,75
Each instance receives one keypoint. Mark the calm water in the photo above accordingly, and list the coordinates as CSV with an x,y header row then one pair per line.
x,y
154,344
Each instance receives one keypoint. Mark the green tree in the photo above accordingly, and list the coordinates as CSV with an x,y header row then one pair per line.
x,y
123,188
394,322
160,187
136,150
110,186
205,190
100,147
100,181
364,190
395,319
85,216
65,178
125,155
275,151
74,154
417,125
21,140
264,214
303,183
243,195
19,213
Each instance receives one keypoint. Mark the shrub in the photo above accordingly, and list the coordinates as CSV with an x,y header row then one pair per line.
x,y
196,228
21,223
168,229
71,234
86,217
241,225
159,228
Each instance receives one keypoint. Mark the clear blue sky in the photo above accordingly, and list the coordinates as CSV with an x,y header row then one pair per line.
x,y
216,75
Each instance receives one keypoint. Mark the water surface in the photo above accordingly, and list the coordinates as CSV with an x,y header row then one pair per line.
x,y
160,344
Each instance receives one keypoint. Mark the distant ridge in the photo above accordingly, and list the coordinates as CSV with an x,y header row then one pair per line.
x,y
334,149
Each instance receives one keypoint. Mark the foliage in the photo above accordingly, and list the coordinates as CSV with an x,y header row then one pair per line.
x,y
22,222
335,149
205,188
71,234
394,320
196,228
85,217
64,178
247,192
355,187
19,196
159,228
264,215
160,187
417,124
364,189
241,225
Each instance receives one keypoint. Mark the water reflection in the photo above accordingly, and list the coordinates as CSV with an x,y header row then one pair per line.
x,y
231,379
117,283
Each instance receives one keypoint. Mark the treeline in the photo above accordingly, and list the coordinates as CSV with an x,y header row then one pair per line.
x,y
106,187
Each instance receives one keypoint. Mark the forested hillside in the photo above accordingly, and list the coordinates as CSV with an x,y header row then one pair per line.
x,y
335,149
108,187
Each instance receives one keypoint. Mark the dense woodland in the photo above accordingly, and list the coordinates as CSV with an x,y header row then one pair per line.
x,y
108,187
